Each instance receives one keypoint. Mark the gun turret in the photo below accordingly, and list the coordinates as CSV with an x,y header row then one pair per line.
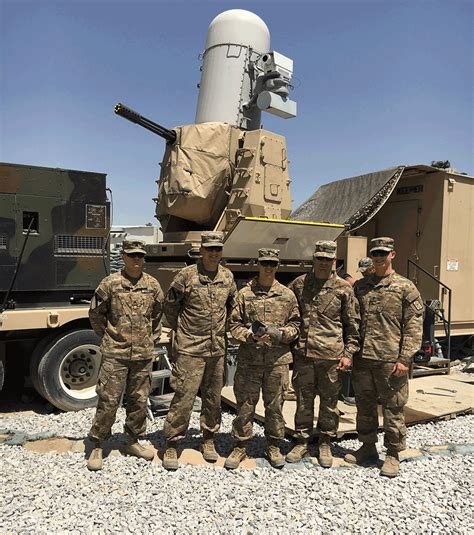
x,y
134,117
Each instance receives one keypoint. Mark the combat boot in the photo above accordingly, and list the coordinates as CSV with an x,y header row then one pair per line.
x,y
170,457
209,452
237,455
298,452
273,454
95,459
366,454
391,465
325,455
137,450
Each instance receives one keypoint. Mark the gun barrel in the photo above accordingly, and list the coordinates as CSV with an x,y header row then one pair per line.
x,y
134,117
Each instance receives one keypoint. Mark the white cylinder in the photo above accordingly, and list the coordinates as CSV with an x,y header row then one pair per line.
x,y
225,83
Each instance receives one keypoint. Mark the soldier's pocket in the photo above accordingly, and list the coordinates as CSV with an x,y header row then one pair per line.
x,y
176,378
105,373
330,305
333,374
398,391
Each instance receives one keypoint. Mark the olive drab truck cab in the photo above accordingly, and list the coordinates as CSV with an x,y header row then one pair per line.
x,y
54,228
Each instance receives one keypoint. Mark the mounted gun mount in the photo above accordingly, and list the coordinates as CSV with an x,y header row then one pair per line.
x,y
127,113
225,172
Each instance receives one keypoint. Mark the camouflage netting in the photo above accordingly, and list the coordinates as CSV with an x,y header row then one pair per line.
x,y
351,201
196,173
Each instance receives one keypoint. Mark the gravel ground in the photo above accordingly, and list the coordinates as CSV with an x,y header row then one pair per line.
x,y
44,493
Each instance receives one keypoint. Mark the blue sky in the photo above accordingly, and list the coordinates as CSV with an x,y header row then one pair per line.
x,y
378,83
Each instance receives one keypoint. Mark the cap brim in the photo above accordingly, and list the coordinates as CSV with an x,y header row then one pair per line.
x,y
386,249
215,244
129,251
325,255
270,258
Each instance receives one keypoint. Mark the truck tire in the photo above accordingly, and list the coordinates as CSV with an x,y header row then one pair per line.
x,y
35,360
2,373
68,368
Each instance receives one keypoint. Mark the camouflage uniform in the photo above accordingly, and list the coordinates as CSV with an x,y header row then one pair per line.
x,y
391,329
329,330
262,367
127,318
196,308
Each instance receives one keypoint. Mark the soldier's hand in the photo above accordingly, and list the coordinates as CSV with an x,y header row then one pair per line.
x,y
344,364
399,369
262,339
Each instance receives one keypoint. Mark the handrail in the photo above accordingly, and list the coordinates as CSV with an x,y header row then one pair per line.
x,y
448,333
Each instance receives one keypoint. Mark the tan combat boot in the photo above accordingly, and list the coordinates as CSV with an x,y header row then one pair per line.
x,y
237,455
95,459
298,452
273,454
137,450
391,465
209,452
325,455
366,454
170,457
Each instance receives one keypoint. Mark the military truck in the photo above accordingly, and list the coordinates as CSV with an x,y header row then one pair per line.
x,y
54,228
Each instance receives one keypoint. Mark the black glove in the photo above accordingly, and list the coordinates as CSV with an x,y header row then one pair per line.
x,y
258,328
275,334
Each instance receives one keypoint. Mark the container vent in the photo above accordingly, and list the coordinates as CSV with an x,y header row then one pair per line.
x,y
78,245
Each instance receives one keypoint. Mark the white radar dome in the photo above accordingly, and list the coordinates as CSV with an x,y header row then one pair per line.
x,y
239,26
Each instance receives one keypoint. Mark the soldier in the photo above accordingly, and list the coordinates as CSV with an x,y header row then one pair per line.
x,y
366,267
263,357
196,307
391,328
329,337
125,312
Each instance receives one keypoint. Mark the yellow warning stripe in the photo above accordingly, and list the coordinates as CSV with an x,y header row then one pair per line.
x,y
337,225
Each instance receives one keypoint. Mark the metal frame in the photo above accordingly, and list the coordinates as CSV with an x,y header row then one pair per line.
x,y
449,291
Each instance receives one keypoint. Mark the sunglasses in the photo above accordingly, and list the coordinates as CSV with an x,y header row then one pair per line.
x,y
379,253
323,259
213,249
268,263
135,255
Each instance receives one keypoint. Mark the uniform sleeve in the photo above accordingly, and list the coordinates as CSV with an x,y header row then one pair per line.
x,y
237,327
157,313
99,307
350,323
412,325
231,299
291,330
174,300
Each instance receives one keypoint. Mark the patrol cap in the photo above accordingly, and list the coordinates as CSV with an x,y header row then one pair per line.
x,y
382,244
365,264
133,246
212,239
269,254
325,248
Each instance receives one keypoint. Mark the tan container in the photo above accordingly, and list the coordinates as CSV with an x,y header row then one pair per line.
x,y
430,214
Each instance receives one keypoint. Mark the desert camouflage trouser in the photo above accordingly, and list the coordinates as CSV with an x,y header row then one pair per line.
x,y
115,375
190,374
310,378
372,381
248,382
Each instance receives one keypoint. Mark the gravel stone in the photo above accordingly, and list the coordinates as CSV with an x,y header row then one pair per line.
x,y
51,493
